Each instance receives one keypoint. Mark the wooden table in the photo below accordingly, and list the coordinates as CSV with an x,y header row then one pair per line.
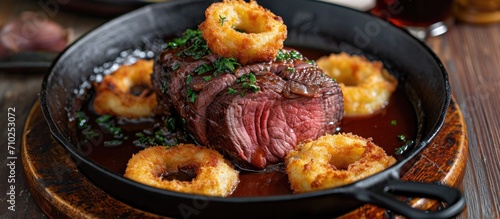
x,y
471,54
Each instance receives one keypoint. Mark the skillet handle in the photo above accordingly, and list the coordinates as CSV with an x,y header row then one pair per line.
x,y
453,198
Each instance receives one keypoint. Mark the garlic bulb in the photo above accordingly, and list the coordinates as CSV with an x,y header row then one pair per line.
x,y
32,31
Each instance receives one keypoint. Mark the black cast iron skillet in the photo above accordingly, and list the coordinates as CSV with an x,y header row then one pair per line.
x,y
312,24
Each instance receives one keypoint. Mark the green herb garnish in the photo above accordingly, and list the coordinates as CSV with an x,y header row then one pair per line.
x,y
108,124
82,120
187,36
175,66
113,143
249,82
282,55
189,78
203,68
197,46
84,125
191,95
164,87
225,65
207,78
231,91
402,138
221,20
406,145
170,124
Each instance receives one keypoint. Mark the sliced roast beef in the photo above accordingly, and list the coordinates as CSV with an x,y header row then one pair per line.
x,y
253,113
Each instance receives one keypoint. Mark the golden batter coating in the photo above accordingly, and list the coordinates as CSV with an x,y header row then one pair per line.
x,y
114,96
366,85
244,31
215,176
334,160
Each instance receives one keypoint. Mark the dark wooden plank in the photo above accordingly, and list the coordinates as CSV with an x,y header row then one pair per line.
x,y
471,53
19,92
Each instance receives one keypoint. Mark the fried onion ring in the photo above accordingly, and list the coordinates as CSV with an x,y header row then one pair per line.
x,y
367,86
334,160
241,30
114,95
215,176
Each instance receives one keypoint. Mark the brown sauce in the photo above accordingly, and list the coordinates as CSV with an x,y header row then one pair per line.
x,y
397,118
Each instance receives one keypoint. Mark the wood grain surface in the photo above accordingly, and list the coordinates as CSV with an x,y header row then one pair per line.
x,y
471,54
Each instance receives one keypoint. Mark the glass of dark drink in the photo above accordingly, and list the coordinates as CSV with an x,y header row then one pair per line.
x,y
421,17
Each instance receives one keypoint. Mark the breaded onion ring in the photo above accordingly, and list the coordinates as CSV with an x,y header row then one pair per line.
x,y
367,86
334,160
114,96
241,30
215,176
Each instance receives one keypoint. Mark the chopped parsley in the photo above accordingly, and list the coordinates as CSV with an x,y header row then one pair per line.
x,y
82,120
225,65
168,132
207,78
191,95
158,138
83,124
189,78
407,143
282,55
203,68
164,136
164,87
175,66
231,91
108,124
196,45
171,124
219,66
113,143
402,138
188,35
221,20
248,81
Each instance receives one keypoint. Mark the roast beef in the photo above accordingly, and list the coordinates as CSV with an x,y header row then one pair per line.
x,y
252,113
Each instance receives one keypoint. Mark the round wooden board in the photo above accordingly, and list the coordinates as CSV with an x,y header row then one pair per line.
x,y
62,191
